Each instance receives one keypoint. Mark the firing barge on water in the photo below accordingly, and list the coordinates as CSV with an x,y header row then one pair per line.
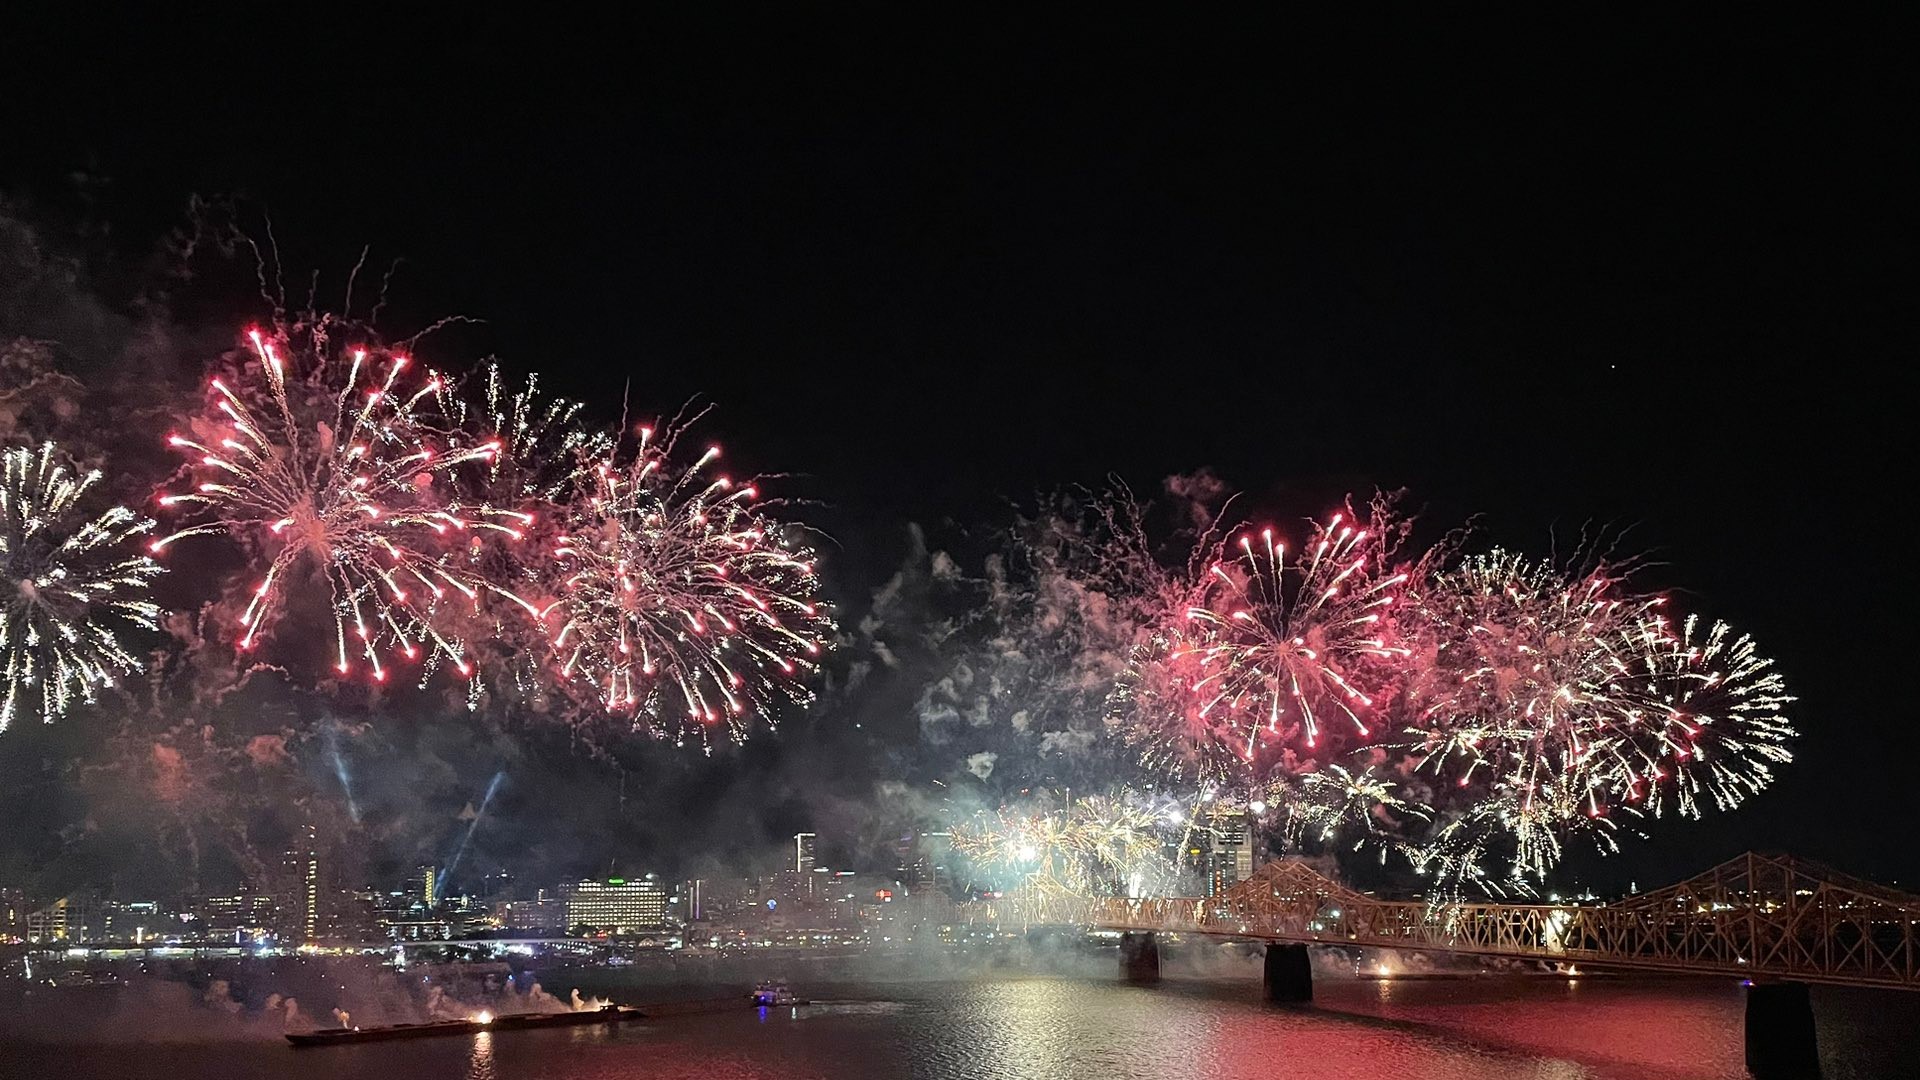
x,y
611,1014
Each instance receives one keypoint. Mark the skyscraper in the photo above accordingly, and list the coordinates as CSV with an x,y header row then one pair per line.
x,y
803,852
299,892
13,913
1230,858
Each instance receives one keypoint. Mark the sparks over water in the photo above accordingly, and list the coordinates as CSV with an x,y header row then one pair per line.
x,y
335,464
69,585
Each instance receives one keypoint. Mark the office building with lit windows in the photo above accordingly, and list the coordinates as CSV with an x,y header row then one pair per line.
x,y
617,905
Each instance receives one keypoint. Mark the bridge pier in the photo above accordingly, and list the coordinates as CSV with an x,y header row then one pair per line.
x,y
1289,973
1781,1044
1139,957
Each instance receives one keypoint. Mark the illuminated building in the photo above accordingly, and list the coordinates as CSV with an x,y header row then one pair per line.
x,y
239,917
1230,856
803,852
353,916
426,878
424,929
299,900
74,917
130,920
617,905
13,913
541,913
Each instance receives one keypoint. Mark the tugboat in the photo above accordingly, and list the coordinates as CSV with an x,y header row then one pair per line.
x,y
773,993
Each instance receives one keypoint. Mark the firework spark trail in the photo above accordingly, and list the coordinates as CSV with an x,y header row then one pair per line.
x,y
68,586
543,440
1106,844
1278,659
1550,700
1527,692
1338,801
1119,835
1713,720
676,601
544,443
331,462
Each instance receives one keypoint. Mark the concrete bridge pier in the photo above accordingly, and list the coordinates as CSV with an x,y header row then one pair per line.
x,y
1780,1038
1289,974
1139,957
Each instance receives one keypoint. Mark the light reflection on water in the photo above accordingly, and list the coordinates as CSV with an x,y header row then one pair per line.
x,y
480,1061
1014,1029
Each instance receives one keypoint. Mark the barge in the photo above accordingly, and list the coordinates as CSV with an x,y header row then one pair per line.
x,y
611,1014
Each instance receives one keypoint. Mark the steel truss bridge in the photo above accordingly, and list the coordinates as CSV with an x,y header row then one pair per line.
x,y
1764,917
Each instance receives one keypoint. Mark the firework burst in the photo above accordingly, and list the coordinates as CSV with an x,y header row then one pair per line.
x,y
1522,698
544,443
677,602
1549,700
1713,720
1277,658
334,462
1529,677
1018,840
542,440
70,587
1100,844
1338,801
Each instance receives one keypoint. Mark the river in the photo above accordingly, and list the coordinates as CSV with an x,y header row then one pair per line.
x,y
1034,1027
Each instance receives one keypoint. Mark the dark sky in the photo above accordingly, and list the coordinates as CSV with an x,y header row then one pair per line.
x,y
1647,271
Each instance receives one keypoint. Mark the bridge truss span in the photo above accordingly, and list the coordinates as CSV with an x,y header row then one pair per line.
x,y
1757,916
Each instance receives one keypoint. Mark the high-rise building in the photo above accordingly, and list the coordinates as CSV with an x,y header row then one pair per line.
x,y
542,913
352,915
13,913
425,878
719,897
1230,858
617,905
803,852
238,917
129,920
299,899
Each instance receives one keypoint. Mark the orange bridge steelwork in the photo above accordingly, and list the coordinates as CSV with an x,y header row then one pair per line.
x,y
1757,916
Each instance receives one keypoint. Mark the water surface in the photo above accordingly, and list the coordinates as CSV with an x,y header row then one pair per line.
x,y
1008,1028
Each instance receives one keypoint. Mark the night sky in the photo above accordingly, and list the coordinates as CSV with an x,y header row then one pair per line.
x,y
1648,272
